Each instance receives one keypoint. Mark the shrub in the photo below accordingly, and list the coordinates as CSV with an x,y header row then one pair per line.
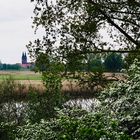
x,y
73,124
42,106
12,109
123,99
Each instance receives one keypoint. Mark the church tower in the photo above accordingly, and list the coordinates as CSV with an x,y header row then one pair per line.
x,y
24,58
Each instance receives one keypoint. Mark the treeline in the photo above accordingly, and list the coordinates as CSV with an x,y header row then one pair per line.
x,y
9,66
112,62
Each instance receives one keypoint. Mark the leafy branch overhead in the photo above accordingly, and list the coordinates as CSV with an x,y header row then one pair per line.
x,y
76,28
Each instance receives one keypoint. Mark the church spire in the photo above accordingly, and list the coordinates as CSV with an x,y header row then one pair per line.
x,y
24,54
24,58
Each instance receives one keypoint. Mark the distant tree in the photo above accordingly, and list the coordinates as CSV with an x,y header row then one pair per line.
x,y
94,63
10,67
15,67
4,67
75,63
114,62
1,65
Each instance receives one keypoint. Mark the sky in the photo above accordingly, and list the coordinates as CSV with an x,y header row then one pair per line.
x,y
15,29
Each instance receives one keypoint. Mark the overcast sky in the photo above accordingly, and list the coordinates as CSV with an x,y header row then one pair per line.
x,y
15,29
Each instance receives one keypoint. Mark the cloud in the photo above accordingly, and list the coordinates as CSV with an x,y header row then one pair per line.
x,y
15,10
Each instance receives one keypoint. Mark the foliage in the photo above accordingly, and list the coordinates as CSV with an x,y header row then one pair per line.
x,y
39,106
90,77
74,63
52,82
118,115
113,62
12,109
91,82
94,63
73,124
7,131
42,63
42,106
9,66
16,106
123,99
75,28
129,59
0,65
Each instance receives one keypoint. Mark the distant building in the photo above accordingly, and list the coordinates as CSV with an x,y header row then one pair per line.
x,y
24,58
24,61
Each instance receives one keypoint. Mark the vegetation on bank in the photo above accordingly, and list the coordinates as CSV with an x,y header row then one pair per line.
x,y
47,115
73,47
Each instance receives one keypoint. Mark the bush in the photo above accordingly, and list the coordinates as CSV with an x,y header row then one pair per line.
x,y
123,100
42,106
7,131
12,109
73,124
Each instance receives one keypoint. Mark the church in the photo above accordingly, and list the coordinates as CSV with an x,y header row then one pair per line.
x,y
24,61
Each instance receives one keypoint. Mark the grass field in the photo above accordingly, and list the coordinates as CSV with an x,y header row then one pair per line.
x,y
20,75
30,78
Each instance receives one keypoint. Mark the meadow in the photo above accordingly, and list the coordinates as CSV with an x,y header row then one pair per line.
x,y
30,78
20,75
71,86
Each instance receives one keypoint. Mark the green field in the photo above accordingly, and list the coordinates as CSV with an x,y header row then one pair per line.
x,y
20,75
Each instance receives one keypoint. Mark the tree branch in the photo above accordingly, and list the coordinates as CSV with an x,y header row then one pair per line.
x,y
108,51
114,24
126,21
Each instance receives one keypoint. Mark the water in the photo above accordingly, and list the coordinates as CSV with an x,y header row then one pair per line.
x,y
86,104
19,108
17,111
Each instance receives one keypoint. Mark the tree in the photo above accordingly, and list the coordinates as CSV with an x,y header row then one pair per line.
x,y
94,63
114,62
10,67
75,27
1,65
